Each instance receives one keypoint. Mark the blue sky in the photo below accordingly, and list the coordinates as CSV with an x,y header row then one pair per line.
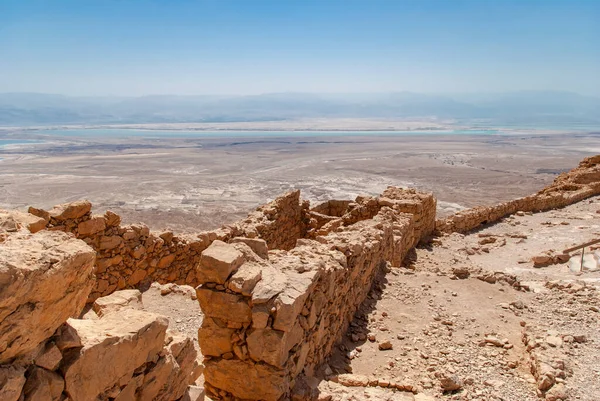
x,y
126,47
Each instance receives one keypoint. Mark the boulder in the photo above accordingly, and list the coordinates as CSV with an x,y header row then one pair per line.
x,y
118,300
123,341
45,279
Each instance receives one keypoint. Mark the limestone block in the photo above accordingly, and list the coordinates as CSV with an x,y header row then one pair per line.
x,y
45,279
259,246
291,301
252,381
68,211
12,379
218,261
112,219
245,278
111,242
273,346
123,341
43,385
117,301
50,357
214,340
170,377
221,305
272,283
91,226
166,261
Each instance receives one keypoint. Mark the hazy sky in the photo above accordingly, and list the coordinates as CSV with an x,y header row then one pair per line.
x,y
94,47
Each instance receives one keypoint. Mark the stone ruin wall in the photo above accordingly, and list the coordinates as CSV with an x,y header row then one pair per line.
x,y
568,188
270,321
132,256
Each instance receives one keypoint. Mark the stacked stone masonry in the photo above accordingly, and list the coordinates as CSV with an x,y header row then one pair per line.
x,y
268,321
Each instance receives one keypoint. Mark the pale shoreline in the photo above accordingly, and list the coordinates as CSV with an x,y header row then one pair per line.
x,y
309,126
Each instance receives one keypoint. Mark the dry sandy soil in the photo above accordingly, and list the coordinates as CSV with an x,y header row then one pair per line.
x,y
195,183
453,312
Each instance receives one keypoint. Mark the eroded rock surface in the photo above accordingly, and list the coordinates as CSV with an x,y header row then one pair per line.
x,y
45,279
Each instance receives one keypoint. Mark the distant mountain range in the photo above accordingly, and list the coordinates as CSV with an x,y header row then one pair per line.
x,y
527,107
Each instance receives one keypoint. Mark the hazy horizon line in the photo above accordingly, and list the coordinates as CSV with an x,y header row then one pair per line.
x,y
432,93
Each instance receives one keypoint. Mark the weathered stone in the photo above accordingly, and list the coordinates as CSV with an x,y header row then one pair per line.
x,y
124,341
12,380
166,261
112,242
290,302
73,210
221,305
137,276
67,337
245,278
450,382
112,219
351,380
46,278
213,339
259,246
260,316
43,385
268,346
253,381
558,392
217,262
91,226
272,283
13,221
50,357
117,301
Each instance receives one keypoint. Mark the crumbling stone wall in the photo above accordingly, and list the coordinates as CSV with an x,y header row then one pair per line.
x,y
568,188
46,353
128,256
421,205
280,223
269,321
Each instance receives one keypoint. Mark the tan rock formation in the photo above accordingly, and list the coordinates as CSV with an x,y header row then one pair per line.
x,y
45,279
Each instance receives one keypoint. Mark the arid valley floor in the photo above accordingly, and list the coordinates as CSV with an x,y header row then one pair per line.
x,y
191,183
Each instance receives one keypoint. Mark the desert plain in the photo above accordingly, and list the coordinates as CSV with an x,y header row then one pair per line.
x,y
189,181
